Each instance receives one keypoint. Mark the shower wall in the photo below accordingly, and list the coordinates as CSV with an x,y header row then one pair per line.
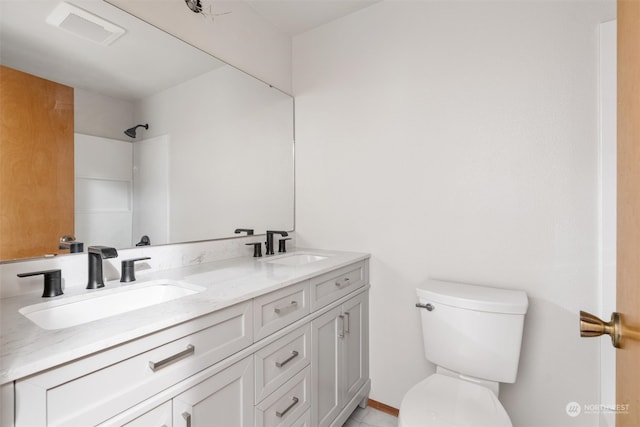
x,y
104,191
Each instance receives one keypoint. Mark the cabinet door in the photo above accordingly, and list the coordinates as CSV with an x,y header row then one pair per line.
x,y
355,366
326,349
224,399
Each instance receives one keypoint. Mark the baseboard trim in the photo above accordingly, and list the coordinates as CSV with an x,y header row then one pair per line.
x,y
383,408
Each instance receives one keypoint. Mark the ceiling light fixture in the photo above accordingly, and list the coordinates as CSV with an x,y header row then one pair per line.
x,y
206,10
194,5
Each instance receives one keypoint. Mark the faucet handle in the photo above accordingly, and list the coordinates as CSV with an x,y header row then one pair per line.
x,y
144,241
74,247
70,243
249,231
282,245
52,282
128,269
257,249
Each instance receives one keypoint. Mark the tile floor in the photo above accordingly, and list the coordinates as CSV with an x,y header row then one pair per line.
x,y
370,417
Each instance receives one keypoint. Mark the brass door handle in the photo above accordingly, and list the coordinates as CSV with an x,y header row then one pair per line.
x,y
593,326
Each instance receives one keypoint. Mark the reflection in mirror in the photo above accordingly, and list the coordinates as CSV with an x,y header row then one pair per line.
x,y
217,154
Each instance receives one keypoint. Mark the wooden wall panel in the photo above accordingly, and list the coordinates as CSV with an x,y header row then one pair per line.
x,y
36,164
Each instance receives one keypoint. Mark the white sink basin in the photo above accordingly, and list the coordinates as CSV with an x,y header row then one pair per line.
x,y
296,259
105,303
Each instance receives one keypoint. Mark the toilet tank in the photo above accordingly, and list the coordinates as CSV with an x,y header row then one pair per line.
x,y
473,330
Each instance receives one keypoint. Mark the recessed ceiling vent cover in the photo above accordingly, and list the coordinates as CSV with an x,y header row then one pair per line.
x,y
84,24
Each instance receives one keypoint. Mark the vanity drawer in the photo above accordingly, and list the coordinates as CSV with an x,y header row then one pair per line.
x,y
334,285
280,308
90,398
286,405
280,360
159,416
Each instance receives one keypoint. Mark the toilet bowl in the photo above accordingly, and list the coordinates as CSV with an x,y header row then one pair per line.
x,y
444,401
473,335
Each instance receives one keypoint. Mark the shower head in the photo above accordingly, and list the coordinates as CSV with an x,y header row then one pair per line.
x,y
131,132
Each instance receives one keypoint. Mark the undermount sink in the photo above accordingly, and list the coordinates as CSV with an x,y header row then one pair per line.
x,y
81,309
296,259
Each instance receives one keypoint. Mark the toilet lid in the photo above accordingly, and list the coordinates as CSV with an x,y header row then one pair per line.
x,y
444,401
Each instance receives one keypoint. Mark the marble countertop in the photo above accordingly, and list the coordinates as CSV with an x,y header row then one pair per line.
x,y
25,348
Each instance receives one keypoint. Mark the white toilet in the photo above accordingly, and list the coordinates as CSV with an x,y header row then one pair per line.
x,y
473,335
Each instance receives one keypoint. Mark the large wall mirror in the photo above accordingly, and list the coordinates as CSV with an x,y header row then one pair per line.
x,y
217,154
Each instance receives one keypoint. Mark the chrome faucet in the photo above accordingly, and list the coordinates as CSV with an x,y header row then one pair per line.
x,y
96,255
269,242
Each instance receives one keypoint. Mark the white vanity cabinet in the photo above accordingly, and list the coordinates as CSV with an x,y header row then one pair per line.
x,y
355,357
333,285
296,356
283,407
160,416
277,362
340,359
224,399
275,310
93,389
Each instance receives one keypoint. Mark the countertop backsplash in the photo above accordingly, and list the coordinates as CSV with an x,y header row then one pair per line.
x,y
75,267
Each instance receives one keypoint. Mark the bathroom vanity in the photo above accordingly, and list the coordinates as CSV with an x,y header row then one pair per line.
x,y
272,341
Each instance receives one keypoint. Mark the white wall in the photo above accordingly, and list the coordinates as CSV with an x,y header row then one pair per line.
x,y
101,115
459,140
237,36
151,187
231,145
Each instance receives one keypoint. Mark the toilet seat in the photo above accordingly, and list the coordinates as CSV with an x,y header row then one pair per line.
x,y
445,401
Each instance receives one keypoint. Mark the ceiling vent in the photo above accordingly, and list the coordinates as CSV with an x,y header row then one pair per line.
x,y
84,24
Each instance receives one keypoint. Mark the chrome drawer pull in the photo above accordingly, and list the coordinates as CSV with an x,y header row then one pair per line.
x,y
281,414
341,330
155,366
343,282
294,354
279,310
187,418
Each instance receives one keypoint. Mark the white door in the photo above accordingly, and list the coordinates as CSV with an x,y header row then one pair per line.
x,y
628,250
